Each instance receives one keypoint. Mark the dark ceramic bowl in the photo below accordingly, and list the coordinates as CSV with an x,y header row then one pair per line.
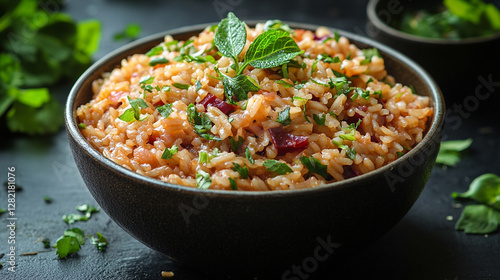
x,y
256,231
450,62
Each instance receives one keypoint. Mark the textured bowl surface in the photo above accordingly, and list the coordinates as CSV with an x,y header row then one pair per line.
x,y
444,59
253,231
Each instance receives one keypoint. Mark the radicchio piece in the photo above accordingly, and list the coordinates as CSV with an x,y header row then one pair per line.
x,y
286,142
354,119
212,100
350,172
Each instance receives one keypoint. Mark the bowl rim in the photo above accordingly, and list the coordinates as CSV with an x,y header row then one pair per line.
x,y
74,132
372,14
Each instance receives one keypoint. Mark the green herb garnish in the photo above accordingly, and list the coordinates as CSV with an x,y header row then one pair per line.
x,y
315,166
284,117
248,155
168,153
232,183
100,241
165,110
181,86
70,242
131,32
320,120
203,180
450,151
485,217
158,61
235,145
201,123
243,171
133,113
277,167
350,151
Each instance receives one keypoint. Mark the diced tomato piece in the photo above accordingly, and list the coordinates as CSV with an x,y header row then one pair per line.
x,y
212,100
286,142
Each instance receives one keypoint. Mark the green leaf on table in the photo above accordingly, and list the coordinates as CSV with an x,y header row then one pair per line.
x,y
230,36
272,48
450,151
130,32
70,242
100,241
484,189
478,219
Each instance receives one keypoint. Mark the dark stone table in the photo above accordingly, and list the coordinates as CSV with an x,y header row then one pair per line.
x,y
424,245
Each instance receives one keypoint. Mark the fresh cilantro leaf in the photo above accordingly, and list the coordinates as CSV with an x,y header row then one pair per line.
x,y
203,180
243,171
198,85
133,113
87,209
277,167
232,183
350,151
100,241
248,155
165,110
26,119
235,145
131,32
320,120
72,218
328,58
168,153
315,166
284,117
450,151
70,242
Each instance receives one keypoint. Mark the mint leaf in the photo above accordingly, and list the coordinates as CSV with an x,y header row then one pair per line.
x,y
484,189
168,153
478,219
272,48
315,166
230,36
237,88
450,151
203,180
277,167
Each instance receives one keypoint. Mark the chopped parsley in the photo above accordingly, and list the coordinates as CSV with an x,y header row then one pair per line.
x,y
165,110
369,54
350,151
277,167
248,155
201,123
236,144
232,183
158,61
100,241
284,117
168,153
320,120
133,113
243,171
315,166
181,86
70,242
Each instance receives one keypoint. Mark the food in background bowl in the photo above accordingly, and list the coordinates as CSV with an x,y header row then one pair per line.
x,y
264,108
454,19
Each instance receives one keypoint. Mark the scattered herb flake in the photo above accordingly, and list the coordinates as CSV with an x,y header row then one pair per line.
x,y
248,155
203,180
100,241
315,166
277,167
181,86
232,183
168,153
284,117
165,110
243,171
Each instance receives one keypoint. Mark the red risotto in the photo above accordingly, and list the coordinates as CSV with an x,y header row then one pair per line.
x,y
253,109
